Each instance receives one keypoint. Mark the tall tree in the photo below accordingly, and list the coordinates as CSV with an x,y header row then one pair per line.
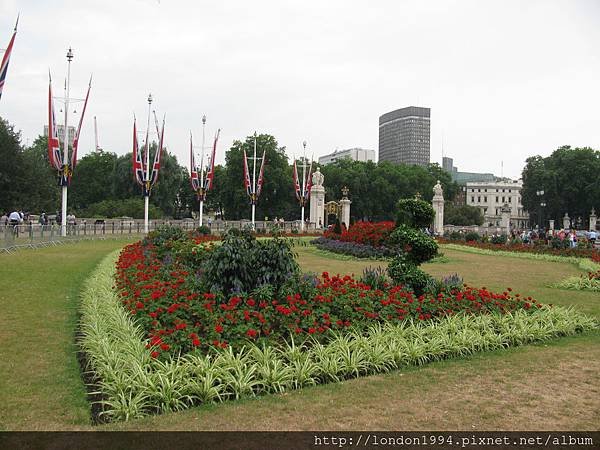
x,y
277,192
570,181
13,176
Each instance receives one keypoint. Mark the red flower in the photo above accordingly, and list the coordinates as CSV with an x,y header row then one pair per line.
x,y
165,347
251,333
154,354
195,342
218,328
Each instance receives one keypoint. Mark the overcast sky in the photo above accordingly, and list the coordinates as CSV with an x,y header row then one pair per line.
x,y
504,79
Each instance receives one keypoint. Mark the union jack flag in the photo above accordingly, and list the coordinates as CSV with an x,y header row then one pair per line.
x,y
247,183
308,185
138,166
54,153
158,154
193,168
6,59
76,139
259,183
210,173
296,181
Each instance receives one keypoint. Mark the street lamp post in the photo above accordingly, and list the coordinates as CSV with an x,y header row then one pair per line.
x,y
540,194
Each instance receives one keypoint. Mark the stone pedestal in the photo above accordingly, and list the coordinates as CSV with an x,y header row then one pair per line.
x,y
345,205
593,220
438,207
551,221
505,221
566,221
317,200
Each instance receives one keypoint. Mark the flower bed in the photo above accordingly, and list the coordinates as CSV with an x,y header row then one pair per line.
x,y
589,265
133,384
375,234
593,254
158,285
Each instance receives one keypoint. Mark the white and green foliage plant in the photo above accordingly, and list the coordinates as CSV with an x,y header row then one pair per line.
x,y
132,384
580,283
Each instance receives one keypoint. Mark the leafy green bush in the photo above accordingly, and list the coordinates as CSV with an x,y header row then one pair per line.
x,y
417,246
406,273
498,239
205,230
242,263
472,236
414,213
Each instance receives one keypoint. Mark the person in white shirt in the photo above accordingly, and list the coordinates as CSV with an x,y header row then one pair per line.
x,y
15,218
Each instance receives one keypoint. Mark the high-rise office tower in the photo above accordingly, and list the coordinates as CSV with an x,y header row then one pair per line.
x,y
404,136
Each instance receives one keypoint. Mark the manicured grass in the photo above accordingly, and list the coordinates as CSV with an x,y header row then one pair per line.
x,y
549,386
40,385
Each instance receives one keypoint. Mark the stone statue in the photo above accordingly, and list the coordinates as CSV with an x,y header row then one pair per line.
x,y
317,178
437,189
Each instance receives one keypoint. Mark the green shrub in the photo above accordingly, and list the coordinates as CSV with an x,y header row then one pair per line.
x,y
498,239
406,273
205,230
242,263
417,246
414,213
472,236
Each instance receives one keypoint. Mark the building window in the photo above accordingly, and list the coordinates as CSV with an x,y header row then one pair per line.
x,y
509,199
485,190
503,199
485,198
478,199
497,197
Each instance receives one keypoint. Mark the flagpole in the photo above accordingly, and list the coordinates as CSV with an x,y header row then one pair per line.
x,y
254,185
303,186
202,192
63,223
147,181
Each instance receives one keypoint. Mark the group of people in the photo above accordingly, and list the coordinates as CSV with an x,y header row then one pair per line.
x,y
530,237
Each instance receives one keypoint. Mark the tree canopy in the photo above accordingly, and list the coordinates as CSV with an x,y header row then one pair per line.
x,y
570,179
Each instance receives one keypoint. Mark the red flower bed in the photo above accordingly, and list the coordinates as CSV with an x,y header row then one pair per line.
x,y
577,252
370,233
177,319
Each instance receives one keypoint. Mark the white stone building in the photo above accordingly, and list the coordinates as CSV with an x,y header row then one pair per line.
x,y
491,196
356,154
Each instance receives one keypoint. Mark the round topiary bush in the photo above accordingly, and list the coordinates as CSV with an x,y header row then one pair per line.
x,y
414,244
414,213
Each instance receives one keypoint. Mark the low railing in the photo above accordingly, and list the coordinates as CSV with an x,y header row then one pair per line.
x,y
31,234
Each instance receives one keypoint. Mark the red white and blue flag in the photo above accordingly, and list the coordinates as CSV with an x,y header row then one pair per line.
x,y
6,59
54,154
308,185
159,150
138,166
247,183
76,139
210,173
193,169
259,183
296,181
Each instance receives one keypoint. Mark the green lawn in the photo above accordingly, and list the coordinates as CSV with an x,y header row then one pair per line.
x,y
550,386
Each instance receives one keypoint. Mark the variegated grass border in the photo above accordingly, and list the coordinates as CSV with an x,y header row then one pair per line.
x,y
132,384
